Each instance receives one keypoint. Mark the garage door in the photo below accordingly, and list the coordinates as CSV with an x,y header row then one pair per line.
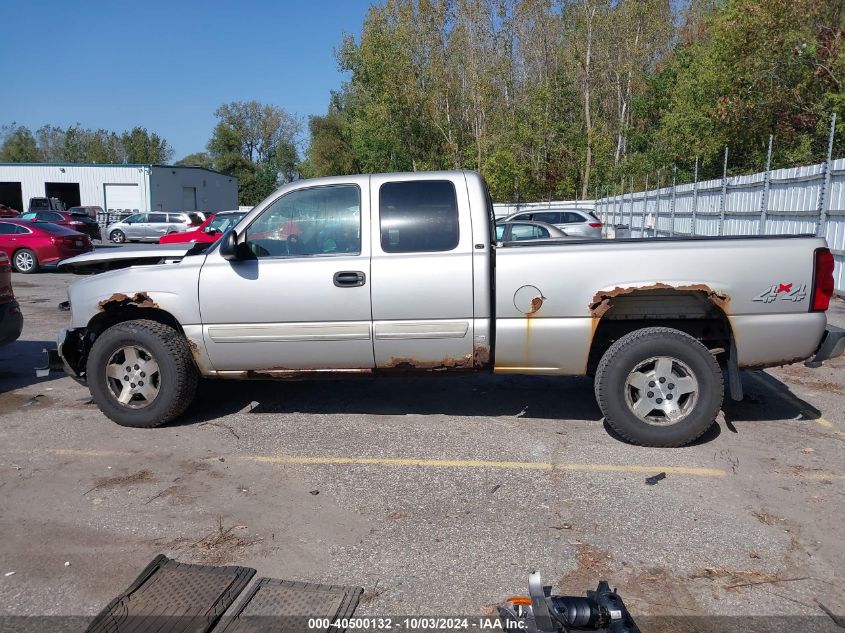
x,y
123,198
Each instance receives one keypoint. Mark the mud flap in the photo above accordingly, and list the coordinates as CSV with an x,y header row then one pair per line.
x,y
734,379
284,606
170,596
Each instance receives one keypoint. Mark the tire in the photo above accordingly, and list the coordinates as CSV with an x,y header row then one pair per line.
x,y
676,418
174,385
117,236
25,261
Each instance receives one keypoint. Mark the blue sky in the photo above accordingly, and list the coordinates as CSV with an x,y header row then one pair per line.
x,y
167,65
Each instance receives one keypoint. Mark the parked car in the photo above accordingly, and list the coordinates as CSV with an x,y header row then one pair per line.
x,y
149,227
46,204
524,230
420,285
75,222
90,211
574,222
31,245
11,319
8,212
209,231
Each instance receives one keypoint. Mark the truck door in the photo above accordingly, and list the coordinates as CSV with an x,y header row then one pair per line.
x,y
422,272
302,301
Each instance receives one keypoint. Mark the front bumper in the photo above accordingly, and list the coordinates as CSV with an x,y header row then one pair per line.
x,y
69,354
11,322
832,345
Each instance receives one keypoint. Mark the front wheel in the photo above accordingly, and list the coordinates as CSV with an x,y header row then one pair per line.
x,y
141,373
25,261
659,387
117,236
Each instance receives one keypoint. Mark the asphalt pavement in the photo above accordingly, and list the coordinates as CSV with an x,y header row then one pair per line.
x,y
437,495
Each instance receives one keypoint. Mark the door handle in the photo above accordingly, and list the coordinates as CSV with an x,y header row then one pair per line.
x,y
349,279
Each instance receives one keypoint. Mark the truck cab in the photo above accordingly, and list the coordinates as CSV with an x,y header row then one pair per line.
x,y
355,273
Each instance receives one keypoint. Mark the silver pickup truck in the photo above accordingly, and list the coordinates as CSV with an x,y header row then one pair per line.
x,y
398,273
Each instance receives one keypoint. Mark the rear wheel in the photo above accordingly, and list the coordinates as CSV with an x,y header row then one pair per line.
x,y
25,261
141,373
117,236
659,387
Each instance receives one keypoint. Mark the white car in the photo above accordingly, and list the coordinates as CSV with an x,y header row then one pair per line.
x,y
149,227
573,222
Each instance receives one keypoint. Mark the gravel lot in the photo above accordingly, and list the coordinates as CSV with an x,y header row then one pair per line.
x,y
437,496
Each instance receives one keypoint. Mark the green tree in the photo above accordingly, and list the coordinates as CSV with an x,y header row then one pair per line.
x,y
256,143
143,147
197,159
330,152
760,67
18,145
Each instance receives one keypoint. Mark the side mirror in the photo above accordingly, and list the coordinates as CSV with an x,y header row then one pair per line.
x,y
229,246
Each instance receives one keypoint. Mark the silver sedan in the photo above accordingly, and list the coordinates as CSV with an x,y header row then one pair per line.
x,y
574,222
524,230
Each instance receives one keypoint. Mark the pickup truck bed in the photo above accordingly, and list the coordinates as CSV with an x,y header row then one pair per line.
x,y
393,273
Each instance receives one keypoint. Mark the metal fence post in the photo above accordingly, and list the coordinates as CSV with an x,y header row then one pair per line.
x,y
672,202
764,200
824,195
694,198
645,207
621,206
657,208
722,200
631,210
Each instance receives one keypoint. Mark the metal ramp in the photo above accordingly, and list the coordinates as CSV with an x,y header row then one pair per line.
x,y
173,597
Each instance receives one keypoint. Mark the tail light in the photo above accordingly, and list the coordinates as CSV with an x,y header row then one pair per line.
x,y
69,240
822,280
595,225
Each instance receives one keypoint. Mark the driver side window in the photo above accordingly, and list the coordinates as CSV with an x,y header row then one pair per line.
x,y
309,222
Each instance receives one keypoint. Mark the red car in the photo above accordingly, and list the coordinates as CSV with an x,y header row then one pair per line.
x,y
31,245
213,227
11,320
80,222
8,212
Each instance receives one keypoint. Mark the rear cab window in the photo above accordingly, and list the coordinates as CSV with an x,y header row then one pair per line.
x,y
418,216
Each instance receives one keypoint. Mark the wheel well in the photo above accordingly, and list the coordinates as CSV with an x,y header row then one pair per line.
x,y
113,316
80,341
691,311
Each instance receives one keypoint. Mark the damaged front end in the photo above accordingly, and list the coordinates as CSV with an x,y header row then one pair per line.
x,y
72,347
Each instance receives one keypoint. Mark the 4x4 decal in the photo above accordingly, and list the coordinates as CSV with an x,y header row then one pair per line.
x,y
782,292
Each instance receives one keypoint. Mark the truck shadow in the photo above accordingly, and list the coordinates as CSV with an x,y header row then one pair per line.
x,y
766,399
18,361
472,395
528,397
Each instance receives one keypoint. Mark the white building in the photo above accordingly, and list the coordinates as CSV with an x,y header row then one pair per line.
x,y
118,187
